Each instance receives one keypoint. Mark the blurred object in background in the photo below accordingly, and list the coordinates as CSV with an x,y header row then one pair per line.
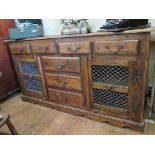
x,y
26,28
116,25
75,26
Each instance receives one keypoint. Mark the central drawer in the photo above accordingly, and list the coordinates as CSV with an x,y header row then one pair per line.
x,y
64,81
74,48
68,98
61,64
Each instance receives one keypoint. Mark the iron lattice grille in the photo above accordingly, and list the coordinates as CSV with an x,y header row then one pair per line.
x,y
30,68
32,84
115,75
110,99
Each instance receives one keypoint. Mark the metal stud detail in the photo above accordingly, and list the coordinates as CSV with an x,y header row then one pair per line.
x,y
30,68
110,99
115,75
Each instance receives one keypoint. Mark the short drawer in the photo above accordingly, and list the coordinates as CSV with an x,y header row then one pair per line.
x,y
20,48
67,98
45,47
64,81
74,48
129,47
62,64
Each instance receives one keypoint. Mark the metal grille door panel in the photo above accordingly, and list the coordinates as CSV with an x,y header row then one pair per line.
x,y
115,75
29,68
111,76
32,84
110,99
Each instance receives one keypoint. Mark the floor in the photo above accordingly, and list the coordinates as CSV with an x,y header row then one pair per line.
x,y
32,119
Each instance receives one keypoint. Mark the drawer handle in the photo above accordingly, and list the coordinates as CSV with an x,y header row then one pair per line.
x,y
109,87
118,50
61,66
72,50
63,84
18,49
43,49
22,50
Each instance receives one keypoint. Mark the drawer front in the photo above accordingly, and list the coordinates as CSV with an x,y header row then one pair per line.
x,y
68,98
62,64
75,48
43,48
64,81
116,47
20,48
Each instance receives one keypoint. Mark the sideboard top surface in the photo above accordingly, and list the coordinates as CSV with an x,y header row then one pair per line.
x,y
146,30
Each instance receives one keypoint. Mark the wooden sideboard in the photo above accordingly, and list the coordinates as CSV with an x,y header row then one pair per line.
x,y
101,76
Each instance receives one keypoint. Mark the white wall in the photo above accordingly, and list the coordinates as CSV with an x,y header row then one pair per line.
x,y
54,26
152,21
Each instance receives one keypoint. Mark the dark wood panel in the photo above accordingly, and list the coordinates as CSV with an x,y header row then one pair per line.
x,y
86,80
123,89
64,81
64,97
111,62
42,77
33,93
61,64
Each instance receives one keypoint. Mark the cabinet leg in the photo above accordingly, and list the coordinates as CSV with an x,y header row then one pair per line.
x,y
11,127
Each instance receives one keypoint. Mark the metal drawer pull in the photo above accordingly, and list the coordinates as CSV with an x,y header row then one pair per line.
x,y
63,84
73,49
61,66
43,49
19,49
109,87
119,48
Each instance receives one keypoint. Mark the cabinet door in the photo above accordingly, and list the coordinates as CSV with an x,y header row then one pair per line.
x,y
29,74
114,87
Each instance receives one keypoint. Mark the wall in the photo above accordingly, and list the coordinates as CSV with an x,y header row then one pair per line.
x,y
54,26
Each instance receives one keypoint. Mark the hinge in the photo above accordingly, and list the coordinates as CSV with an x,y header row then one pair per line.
x,y
136,94
135,107
30,49
137,75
